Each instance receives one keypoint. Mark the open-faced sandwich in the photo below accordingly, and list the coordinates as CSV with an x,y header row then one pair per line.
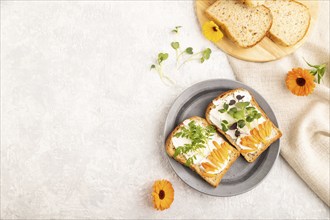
x,y
238,116
196,144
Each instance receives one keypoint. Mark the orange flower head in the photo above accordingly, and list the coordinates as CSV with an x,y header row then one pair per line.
x,y
300,82
163,194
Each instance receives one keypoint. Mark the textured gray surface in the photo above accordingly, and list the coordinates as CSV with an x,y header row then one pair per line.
x,y
82,116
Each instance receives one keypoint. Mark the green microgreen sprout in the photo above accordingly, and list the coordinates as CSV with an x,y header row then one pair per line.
x,y
201,55
242,113
159,69
199,137
318,71
176,47
176,29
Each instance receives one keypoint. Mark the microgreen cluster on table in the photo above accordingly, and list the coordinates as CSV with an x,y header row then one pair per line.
x,y
202,56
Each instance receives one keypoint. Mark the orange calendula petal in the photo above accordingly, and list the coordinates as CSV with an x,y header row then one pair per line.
x,y
209,174
219,156
214,160
216,144
246,151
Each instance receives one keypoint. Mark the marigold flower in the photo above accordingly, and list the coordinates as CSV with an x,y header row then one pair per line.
x,y
300,82
163,194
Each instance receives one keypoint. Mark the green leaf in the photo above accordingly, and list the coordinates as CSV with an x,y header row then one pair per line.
x,y
178,134
222,110
224,127
225,106
210,129
241,123
253,112
249,118
320,74
177,151
232,111
239,114
189,50
175,45
189,161
176,29
322,71
313,72
225,122
250,108
315,66
242,104
206,53
152,66
191,124
257,116
162,57
318,71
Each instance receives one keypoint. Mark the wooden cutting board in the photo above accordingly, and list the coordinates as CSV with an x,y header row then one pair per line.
x,y
264,51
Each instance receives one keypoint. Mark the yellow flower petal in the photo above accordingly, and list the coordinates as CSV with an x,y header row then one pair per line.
x,y
212,31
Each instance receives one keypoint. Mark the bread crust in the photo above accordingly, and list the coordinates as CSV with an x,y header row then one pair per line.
x,y
227,32
250,3
278,40
214,181
247,156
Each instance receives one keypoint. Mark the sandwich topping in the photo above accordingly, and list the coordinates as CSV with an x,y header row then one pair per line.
x,y
242,121
202,146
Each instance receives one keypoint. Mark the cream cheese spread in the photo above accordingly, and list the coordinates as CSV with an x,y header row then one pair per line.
x,y
201,153
217,117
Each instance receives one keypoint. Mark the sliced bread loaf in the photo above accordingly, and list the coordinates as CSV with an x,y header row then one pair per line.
x,y
244,25
290,21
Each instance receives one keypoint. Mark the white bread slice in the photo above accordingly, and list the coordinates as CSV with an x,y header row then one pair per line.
x,y
254,3
212,180
252,156
244,25
291,21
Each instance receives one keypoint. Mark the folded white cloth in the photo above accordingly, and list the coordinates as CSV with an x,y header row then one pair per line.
x,y
304,121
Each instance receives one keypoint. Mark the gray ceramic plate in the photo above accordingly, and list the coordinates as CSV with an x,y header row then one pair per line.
x,y
242,176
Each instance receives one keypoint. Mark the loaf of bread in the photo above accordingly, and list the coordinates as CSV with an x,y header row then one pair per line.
x,y
291,21
244,25
196,144
239,118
